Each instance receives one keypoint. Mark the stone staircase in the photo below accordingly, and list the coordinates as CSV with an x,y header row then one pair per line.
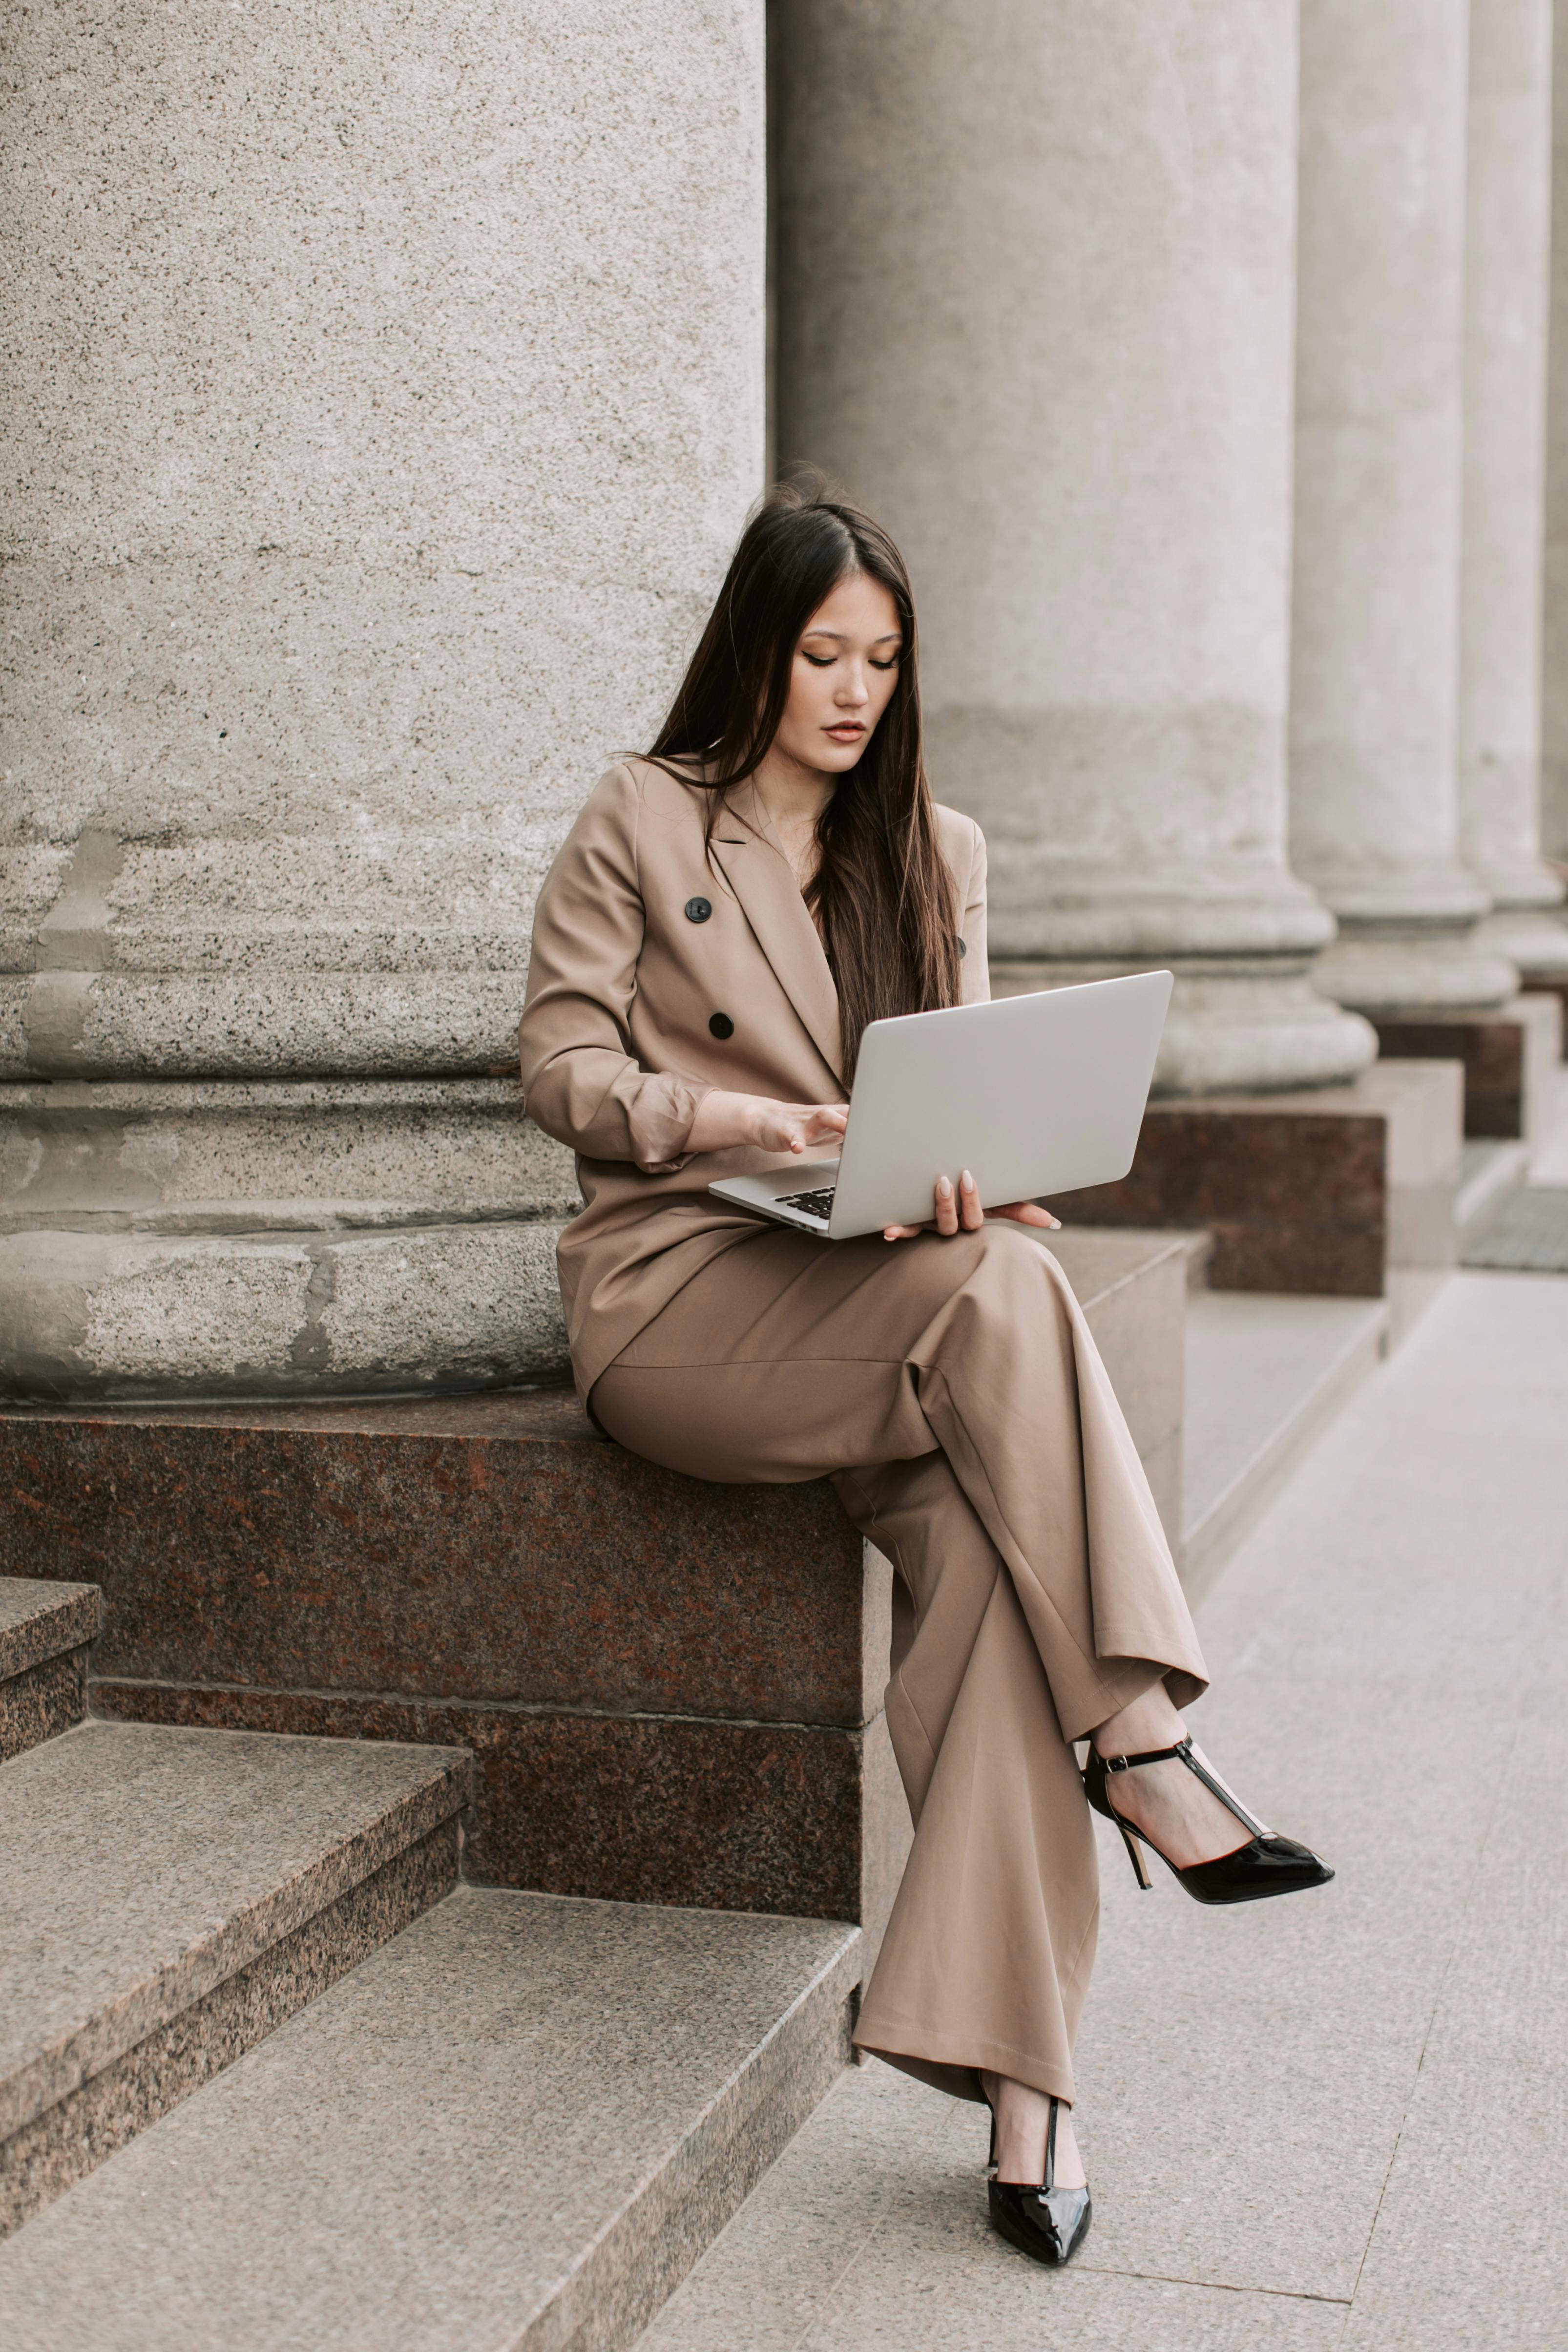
x,y
389,2109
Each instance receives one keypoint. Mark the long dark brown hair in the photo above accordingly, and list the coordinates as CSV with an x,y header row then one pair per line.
x,y
882,894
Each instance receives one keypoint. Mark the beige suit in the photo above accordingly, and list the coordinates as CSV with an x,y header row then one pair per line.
x,y
949,1387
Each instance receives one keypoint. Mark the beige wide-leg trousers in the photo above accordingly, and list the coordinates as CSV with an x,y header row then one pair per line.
x,y
951,1389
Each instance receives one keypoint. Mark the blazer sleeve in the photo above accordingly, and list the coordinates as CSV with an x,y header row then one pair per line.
x,y
974,973
581,1082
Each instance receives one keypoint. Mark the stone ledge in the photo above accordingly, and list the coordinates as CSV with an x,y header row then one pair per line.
x,y
672,1688
1510,1059
1322,1191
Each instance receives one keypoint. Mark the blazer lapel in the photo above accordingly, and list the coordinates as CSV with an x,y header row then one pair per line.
x,y
760,875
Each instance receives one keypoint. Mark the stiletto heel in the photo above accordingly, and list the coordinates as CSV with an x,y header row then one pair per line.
x,y
1267,1864
1135,1856
1047,2223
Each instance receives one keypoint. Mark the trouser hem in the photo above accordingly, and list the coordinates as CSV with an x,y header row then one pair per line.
x,y
953,2062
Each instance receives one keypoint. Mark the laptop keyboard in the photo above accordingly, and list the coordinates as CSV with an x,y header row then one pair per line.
x,y
818,1203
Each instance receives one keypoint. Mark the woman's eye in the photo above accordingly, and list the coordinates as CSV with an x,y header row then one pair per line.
x,y
818,661
886,664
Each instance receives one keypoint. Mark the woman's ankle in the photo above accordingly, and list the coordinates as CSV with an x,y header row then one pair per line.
x,y
1023,2122
1150,1720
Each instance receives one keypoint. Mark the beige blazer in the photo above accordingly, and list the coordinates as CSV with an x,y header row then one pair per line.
x,y
659,974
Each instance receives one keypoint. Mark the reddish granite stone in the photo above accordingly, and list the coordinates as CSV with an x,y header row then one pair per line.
x,y
42,1701
729,1816
489,1547
1492,1050
1295,1196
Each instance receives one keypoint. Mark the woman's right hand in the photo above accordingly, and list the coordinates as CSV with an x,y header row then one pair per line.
x,y
726,1121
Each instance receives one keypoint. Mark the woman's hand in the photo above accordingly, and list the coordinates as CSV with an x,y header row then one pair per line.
x,y
724,1121
962,1212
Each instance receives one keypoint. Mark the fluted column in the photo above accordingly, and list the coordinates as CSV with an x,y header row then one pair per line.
x,y
1555,694
1374,804
391,396
1506,271
1034,278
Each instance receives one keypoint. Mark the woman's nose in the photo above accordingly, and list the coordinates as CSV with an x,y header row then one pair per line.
x,y
852,685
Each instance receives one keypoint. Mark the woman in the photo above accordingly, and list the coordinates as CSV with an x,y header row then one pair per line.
x,y
724,919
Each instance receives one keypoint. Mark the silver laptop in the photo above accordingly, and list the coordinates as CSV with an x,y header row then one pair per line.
x,y
1034,1095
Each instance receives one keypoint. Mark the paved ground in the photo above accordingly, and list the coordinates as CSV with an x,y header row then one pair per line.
x,y
1337,2124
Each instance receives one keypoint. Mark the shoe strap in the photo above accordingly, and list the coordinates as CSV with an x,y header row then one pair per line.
x,y
1182,1754
1049,2183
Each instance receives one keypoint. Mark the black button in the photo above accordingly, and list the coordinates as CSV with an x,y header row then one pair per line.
x,y
963,948
698,910
721,1026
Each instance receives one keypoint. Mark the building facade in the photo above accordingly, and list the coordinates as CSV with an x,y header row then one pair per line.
x,y
389,395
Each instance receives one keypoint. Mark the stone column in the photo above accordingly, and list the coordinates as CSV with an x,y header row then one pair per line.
x,y
1506,271
1374,810
1034,274
392,397
1554,698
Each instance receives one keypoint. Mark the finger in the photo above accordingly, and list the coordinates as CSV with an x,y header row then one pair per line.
x,y
1029,1212
899,1233
946,1207
969,1208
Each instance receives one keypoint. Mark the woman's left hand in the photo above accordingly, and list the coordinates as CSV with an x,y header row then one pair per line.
x,y
961,1212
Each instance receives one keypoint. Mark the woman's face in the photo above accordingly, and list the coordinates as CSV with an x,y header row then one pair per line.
x,y
843,677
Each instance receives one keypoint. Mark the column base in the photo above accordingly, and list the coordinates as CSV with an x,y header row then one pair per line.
x,y
1534,941
1236,1024
1510,1059
1432,967
308,1239
1333,1192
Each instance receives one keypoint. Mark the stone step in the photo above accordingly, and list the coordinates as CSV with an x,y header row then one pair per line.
x,y
1265,1376
45,1631
167,1896
518,2124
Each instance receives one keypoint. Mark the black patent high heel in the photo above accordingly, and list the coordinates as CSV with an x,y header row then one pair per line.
x,y
1047,2223
1267,1864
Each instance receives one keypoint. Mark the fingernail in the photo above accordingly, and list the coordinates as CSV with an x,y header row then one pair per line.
x,y
967,1180
944,1189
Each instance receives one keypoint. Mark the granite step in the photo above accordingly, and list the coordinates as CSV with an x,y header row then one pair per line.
x,y
45,1633
517,2123
168,1896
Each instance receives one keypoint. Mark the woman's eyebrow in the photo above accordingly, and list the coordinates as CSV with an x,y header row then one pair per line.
x,y
840,637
